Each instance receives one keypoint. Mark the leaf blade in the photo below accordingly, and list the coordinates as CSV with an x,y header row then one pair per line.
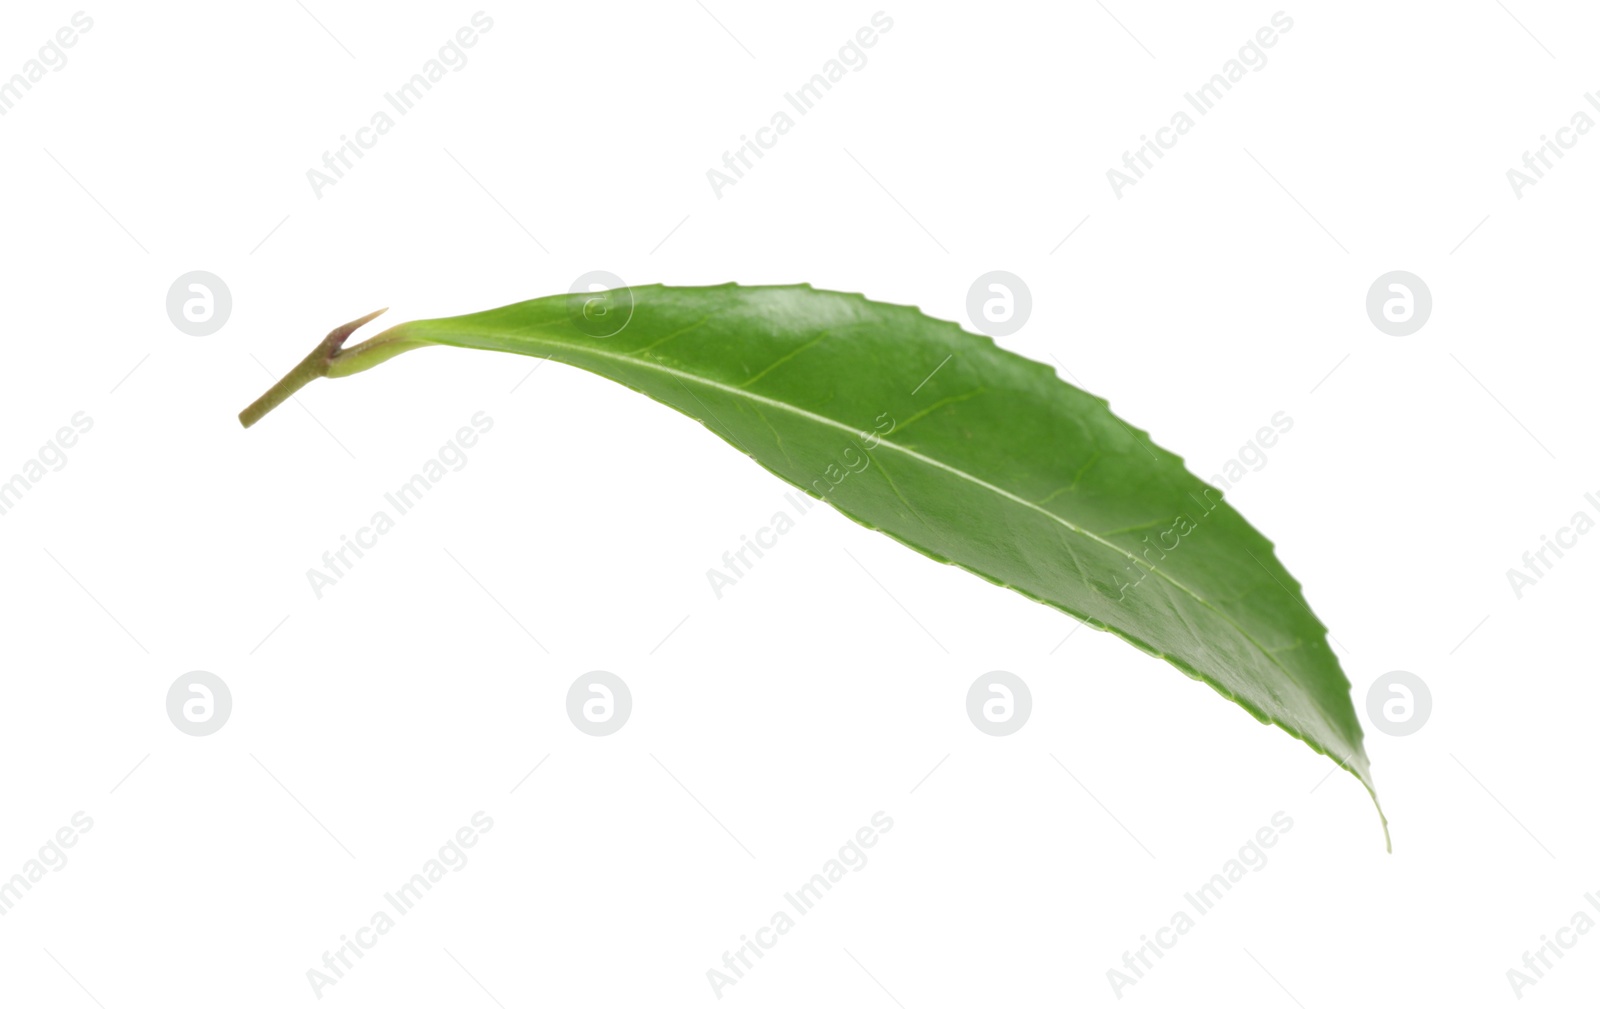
x,y
986,460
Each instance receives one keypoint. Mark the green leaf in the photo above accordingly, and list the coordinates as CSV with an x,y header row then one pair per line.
x,y
962,451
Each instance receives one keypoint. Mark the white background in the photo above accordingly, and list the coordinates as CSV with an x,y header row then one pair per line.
x,y
769,725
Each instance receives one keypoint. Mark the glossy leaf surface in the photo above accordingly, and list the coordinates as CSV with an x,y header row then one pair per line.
x,y
962,451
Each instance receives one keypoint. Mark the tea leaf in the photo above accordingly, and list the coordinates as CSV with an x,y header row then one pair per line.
x,y
962,451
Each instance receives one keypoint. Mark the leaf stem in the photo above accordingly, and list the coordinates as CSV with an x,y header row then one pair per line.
x,y
316,365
